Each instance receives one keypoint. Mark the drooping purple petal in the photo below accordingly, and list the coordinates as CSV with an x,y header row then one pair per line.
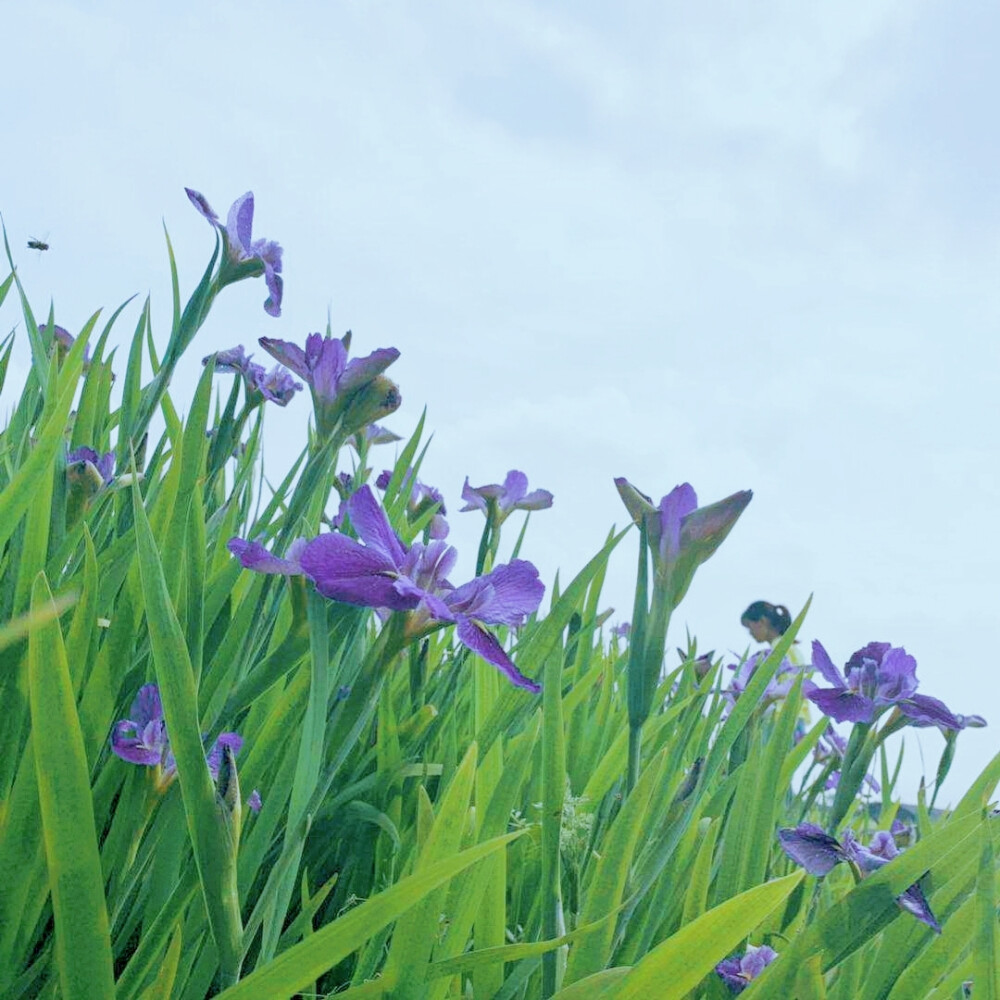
x,y
485,645
344,570
923,710
811,847
504,596
842,705
254,556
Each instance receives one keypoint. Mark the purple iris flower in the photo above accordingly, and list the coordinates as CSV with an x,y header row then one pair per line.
x,y
739,971
875,678
505,498
99,468
621,631
681,534
245,256
276,385
336,382
819,853
142,739
380,571
233,359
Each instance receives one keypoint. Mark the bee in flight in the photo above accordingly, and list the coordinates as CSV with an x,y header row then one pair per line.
x,y
34,244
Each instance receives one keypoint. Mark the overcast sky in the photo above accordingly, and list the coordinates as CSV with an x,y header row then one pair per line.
x,y
740,245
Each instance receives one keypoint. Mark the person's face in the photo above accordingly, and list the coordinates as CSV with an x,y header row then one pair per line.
x,y
761,630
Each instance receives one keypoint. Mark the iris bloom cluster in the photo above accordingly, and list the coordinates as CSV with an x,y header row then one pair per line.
x,y
378,570
819,853
142,739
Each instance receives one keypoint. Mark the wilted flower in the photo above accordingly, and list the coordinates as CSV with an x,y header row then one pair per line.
x,y
355,391
876,677
819,853
380,571
739,971
244,256
142,739
501,500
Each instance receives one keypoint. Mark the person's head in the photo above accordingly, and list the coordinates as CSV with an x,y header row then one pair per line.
x,y
766,621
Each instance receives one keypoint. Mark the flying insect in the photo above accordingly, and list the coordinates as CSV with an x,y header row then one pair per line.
x,y
34,244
